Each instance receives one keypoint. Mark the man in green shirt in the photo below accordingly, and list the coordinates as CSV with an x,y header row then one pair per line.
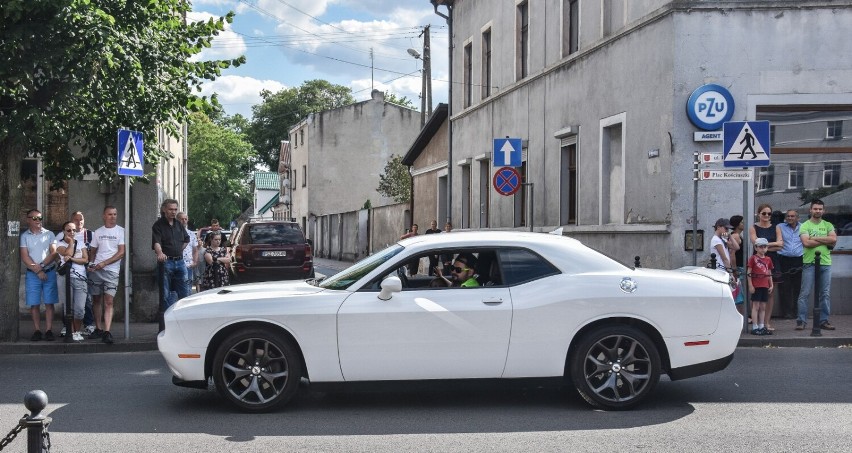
x,y
462,272
817,236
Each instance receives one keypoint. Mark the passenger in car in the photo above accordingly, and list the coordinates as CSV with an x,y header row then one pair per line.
x,y
461,273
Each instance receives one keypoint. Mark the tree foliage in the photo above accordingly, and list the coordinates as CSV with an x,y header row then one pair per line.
x,y
401,101
395,181
220,162
272,118
73,72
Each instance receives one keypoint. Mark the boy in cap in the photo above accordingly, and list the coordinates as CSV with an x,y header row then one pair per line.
x,y
759,285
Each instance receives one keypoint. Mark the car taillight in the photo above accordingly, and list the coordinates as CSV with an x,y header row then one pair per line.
x,y
307,251
238,253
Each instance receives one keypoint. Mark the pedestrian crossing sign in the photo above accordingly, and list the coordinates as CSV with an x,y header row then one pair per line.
x,y
746,144
130,156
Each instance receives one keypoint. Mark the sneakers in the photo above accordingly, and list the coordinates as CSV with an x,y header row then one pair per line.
x,y
761,331
77,336
97,333
800,325
826,326
48,336
36,336
107,337
88,330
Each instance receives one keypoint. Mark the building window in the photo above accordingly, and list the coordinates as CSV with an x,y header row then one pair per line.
x,y
766,178
484,192
796,179
834,130
831,175
468,76
568,182
304,175
486,63
523,44
302,136
612,180
465,196
612,16
570,26
295,177
771,135
295,141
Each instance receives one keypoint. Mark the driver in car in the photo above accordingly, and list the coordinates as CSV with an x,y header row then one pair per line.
x,y
461,272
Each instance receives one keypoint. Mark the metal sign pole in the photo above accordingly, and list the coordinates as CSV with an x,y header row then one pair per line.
x,y
127,273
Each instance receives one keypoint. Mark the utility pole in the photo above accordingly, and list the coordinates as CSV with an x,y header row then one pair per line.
x,y
372,87
427,68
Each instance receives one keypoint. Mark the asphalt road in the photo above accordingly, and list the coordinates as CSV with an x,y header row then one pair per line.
x,y
775,400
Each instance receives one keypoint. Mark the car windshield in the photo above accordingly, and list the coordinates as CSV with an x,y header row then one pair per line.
x,y
275,234
350,275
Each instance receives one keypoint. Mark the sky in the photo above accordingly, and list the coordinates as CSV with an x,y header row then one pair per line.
x,y
287,42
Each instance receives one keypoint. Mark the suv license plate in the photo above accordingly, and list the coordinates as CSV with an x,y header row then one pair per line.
x,y
275,253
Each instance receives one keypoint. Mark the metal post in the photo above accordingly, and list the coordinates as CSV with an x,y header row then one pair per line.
x,y
636,261
532,205
35,401
816,331
712,261
695,170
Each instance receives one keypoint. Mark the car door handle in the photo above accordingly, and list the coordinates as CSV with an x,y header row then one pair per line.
x,y
493,301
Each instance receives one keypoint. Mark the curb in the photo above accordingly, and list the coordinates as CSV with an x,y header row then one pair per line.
x,y
59,347
806,342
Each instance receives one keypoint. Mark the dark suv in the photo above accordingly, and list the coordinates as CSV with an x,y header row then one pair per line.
x,y
270,250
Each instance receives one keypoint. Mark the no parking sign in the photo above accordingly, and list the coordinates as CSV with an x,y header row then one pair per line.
x,y
507,181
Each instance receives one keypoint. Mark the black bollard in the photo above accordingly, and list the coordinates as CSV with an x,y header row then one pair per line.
x,y
816,331
636,262
161,280
712,261
35,401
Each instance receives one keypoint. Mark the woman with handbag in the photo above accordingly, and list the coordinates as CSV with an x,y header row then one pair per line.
x,y
73,257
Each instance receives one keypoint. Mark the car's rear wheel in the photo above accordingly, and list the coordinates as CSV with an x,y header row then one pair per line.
x,y
256,369
615,367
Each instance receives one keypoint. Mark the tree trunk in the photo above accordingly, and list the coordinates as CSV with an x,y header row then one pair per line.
x,y
11,160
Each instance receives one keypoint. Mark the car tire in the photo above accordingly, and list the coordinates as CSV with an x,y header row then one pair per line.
x,y
256,369
615,367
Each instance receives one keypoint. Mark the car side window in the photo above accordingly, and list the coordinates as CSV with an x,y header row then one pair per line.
x,y
521,266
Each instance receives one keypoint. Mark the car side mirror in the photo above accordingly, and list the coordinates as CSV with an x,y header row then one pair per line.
x,y
389,286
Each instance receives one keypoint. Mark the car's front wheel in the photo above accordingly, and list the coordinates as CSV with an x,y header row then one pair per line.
x,y
615,367
256,369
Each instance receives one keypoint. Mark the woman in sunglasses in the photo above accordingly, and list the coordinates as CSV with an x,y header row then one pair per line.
x,y
461,272
763,228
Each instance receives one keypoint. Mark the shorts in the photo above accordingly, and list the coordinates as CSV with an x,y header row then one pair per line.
x,y
39,291
103,282
760,295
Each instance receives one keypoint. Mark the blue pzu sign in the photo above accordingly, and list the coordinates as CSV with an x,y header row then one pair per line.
x,y
710,106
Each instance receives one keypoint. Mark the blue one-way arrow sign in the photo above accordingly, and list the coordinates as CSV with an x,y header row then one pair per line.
x,y
507,152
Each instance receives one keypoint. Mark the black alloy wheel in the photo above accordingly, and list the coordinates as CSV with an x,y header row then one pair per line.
x,y
256,369
615,367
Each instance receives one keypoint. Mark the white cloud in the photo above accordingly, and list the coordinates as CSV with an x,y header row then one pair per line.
x,y
226,45
237,93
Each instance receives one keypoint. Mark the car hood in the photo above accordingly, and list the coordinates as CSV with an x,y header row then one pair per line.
x,y
251,291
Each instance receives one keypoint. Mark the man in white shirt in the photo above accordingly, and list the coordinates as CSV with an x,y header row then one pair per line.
x,y
104,269
190,252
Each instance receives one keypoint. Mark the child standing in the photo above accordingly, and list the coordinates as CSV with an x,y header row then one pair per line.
x,y
760,286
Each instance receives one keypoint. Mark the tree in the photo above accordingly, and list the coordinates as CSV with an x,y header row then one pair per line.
x,y
395,181
272,118
401,101
220,164
75,71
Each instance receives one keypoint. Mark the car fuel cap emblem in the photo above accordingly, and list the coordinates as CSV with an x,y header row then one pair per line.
x,y
628,285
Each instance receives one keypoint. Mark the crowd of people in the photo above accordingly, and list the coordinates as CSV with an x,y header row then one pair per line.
x,y
88,263
92,272
782,266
